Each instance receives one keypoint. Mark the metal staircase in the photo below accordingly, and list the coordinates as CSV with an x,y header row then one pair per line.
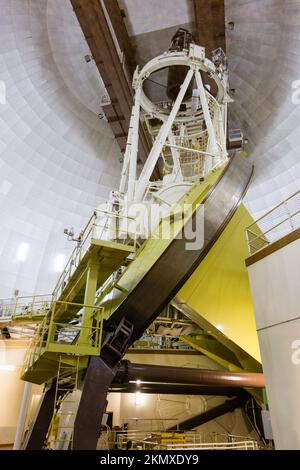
x,y
60,435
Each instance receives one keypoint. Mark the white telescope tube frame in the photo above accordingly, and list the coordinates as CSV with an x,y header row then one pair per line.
x,y
136,189
134,147
127,156
208,121
130,157
160,140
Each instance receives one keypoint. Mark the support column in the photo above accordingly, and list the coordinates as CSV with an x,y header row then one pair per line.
x,y
89,299
38,432
22,416
208,121
92,404
134,149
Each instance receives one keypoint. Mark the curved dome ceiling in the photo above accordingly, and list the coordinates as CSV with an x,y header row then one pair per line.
x,y
264,62
58,160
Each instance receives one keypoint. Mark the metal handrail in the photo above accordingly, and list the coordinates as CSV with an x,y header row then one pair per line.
x,y
242,445
45,333
255,232
27,306
88,233
24,297
149,439
276,207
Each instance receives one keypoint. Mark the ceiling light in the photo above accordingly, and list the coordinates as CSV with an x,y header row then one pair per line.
x,y
22,252
7,368
59,262
139,398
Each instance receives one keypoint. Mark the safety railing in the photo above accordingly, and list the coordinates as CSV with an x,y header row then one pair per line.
x,y
161,342
37,345
136,439
66,338
29,307
242,445
275,224
76,338
149,439
192,153
102,225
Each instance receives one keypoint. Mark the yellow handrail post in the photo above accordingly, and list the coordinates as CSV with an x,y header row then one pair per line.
x,y
89,299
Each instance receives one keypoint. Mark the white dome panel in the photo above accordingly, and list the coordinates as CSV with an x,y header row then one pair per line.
x,y
264,61
58,160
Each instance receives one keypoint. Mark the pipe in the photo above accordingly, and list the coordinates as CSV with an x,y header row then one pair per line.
x,y
175,389
213,413
165,374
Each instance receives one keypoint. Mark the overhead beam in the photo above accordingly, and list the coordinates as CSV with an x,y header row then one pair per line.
x,y
97,31
210,29
210,24
117,21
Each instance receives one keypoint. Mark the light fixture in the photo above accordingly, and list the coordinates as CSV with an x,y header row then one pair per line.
x,y
139,398
220,327
22,252
59,262
138,382
7,368
71,235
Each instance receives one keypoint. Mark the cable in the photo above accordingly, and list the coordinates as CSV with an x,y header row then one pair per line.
x,y
156,83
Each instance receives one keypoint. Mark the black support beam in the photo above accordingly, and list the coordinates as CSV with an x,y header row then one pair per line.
x,y
210,29
210,24
228,407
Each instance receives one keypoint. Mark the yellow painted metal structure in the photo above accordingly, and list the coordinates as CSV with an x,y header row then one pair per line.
x,y
23,311
91,264
218,293
59,341
113,294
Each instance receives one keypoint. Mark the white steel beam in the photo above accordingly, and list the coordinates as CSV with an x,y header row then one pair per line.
x,y
208,121
161,139
131,145
134,146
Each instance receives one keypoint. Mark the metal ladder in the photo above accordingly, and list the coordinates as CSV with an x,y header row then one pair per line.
x,y
60,434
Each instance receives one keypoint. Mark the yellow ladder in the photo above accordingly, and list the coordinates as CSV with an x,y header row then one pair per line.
x,y
60,434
